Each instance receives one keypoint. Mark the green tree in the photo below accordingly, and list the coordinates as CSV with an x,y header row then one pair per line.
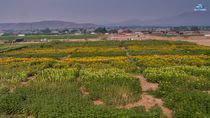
x,y
101,30
46,31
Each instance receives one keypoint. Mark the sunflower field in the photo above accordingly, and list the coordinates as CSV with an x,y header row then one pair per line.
x,y
92,79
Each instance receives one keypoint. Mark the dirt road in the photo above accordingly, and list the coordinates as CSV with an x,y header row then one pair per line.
x,y
200,40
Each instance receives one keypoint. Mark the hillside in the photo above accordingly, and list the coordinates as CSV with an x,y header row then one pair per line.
x,y
184,19
44,24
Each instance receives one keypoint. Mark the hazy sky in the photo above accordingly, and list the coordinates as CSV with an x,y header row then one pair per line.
x,y
95,11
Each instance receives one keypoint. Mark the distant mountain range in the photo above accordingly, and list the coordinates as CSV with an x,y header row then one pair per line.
x,y
185,19
45,24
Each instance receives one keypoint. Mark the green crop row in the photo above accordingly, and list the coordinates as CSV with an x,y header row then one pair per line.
x,y
113,86
37,37
61,99
183,88
57,93
54,86
56,74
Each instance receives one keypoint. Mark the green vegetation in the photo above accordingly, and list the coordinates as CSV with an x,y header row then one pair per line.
x,y
56,74
182,87
116,87
10,48
60,99
59,79
39,37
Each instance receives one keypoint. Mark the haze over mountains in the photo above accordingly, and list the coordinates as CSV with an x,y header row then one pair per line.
x,y
44,24
185,19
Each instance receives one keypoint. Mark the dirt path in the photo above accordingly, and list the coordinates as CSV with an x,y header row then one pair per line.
x,y
126,51
129,56
146,100
84,91
146,86
200,42
204,42
69,55
25,83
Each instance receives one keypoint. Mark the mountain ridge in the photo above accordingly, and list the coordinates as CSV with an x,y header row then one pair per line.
x,y
184,19
52,24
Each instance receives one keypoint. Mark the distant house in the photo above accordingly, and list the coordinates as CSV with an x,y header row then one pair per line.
x,y
207,35
77,33
139,33
44,40
1,34
161,30
92,33
124,32
55,32
21,35
120,31
157,33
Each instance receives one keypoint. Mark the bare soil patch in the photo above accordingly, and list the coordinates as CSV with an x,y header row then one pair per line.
x,y
124,95
11,90
1,84
25,83
98,102
146,86
200,40
84,91
204,42
146,100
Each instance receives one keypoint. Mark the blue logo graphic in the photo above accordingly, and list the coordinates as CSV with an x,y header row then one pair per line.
x,y
200,7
